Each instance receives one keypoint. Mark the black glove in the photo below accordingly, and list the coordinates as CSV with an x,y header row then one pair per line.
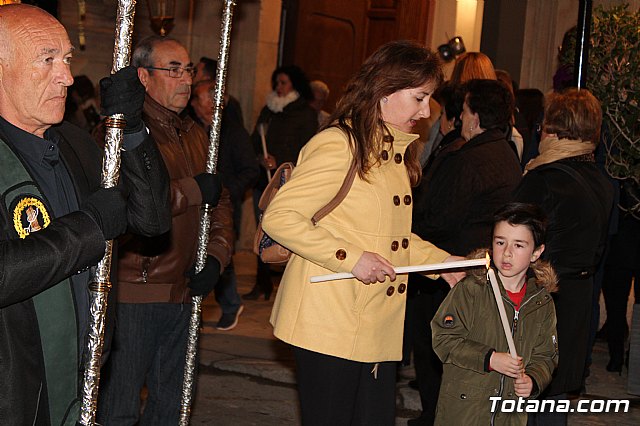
x,y
210,188
108,207
203,282
122,93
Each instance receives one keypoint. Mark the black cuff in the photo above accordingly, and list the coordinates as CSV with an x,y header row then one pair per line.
x,y
487,360
535,389
131,141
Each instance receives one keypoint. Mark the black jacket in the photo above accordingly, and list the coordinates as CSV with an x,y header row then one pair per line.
x,y
287,132
578,217
237,163
69,244
454,205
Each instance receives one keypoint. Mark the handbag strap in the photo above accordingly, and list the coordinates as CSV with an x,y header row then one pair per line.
x,y
342,193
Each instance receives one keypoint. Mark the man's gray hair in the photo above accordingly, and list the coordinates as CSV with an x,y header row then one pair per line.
x,y
143,53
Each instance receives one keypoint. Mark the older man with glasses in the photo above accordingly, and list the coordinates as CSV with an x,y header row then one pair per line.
x,y
156,275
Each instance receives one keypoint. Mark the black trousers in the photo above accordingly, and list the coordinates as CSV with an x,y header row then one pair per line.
x,y
421,308
616,288
335,391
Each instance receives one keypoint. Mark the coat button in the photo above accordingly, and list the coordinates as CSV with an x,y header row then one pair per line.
x,y
341,254
405,243
385,155
395,245
463,396
397,158
387,138
390,290
396,200
402,287
407,199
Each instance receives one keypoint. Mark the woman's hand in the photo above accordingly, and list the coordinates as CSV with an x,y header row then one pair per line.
x,y
371,268
452,278
269,162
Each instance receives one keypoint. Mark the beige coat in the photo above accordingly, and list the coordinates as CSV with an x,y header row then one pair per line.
x,y
345,318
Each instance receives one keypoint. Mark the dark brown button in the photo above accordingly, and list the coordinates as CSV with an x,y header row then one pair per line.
x,y
407,199
396,200
395,245
402,287
341,254
390,290
405,243
387,138
397,158
385,155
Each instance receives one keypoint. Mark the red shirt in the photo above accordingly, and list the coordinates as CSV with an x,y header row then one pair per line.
x,y
516,298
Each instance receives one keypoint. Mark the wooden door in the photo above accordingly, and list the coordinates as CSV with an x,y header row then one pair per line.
x,y
329,39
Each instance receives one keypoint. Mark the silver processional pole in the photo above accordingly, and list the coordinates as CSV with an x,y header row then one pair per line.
x,y
205,224
101,284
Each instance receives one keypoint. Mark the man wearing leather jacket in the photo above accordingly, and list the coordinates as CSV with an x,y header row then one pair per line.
x,y
156,275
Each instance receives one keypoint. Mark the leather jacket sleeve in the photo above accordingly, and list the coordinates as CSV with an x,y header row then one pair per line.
x,y
221,236
185,193
69,244
147,181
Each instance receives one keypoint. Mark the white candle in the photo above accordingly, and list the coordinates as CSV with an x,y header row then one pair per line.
x,y
503,313
265,153
406,269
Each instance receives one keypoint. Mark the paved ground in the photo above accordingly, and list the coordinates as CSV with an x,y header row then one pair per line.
x,y
246,375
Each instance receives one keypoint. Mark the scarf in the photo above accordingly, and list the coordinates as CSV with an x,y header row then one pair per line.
x,y
277,103
554,149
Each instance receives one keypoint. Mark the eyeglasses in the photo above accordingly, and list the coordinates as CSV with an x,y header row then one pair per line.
x,y
176,72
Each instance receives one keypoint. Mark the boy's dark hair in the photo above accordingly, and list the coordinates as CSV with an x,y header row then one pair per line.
x,y
529,215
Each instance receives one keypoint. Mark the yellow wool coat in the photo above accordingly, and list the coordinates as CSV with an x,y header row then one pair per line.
x,y
345,318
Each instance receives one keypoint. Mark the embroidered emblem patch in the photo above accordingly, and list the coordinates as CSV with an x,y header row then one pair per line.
x,y
30,215
448,321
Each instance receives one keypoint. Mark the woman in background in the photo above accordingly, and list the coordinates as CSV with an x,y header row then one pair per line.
x,y
565,181
287,122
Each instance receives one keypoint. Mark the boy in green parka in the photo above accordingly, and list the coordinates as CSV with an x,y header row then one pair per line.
x,y
479,374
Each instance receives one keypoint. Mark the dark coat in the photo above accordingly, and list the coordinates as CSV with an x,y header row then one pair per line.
x,y
467,328
576,233
237,163
69,244
287,132
454,205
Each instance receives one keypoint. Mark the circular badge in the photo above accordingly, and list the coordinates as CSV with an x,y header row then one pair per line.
x,y
448,321
30,215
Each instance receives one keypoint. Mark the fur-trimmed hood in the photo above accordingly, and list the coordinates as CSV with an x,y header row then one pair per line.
x,y
545,274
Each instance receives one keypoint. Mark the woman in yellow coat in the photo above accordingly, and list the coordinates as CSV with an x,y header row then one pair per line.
x,y
346,334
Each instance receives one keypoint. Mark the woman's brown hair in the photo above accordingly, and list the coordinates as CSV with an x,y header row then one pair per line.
x,y
395,66
573,114
473,65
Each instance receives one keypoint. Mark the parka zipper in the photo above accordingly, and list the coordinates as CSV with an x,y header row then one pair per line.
x,y
514,327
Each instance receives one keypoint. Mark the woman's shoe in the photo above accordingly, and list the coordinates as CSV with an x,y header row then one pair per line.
x,y
254,294
615,366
